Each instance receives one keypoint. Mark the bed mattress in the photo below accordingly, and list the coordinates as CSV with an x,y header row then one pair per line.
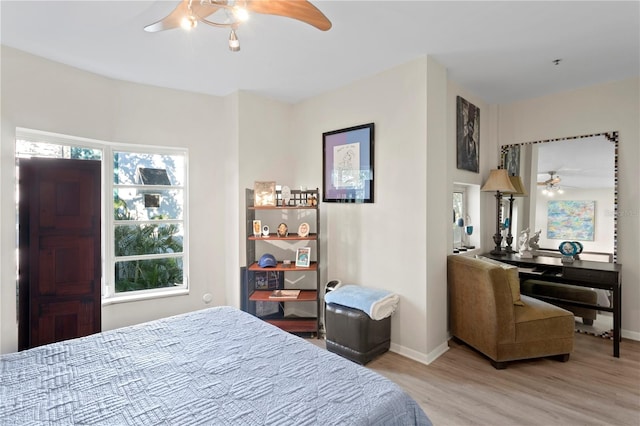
x,y
218,366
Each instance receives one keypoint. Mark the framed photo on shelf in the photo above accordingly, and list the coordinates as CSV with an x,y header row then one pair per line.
x,y
347,165
283,230
303,230
257,228
303,257
264,194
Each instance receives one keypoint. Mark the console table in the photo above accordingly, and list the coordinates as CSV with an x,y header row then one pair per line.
x,y
582,273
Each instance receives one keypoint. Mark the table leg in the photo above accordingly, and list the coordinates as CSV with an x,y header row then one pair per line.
x,y
617,319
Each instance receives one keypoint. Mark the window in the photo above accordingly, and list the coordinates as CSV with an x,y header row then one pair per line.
x,y
466,206
144,234
148,220
459,212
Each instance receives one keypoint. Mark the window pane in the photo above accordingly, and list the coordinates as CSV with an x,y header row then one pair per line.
x,y
129,168
148,274
136,240
50,150
142,204
458,212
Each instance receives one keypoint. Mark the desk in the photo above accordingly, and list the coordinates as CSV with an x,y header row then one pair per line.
x,y
582,273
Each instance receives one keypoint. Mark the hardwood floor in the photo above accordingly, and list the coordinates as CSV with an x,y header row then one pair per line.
x,y
462,388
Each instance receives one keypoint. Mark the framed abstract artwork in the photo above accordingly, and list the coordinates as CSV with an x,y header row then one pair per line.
x,y
347,165
570,220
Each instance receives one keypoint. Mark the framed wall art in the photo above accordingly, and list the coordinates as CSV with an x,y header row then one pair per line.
x,y
467,135
571,220
347,165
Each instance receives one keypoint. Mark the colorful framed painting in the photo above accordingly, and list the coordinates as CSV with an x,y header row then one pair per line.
x,y
571,220
347,165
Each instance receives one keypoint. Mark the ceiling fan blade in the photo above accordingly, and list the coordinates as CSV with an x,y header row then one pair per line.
x,y
301,10
174,19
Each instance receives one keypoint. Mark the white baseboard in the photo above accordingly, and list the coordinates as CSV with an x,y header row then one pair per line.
x,y
418,356
631,335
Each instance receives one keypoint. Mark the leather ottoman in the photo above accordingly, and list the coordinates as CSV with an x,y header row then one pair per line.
x,y
352,334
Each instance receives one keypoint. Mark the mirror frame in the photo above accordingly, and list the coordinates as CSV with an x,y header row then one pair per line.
x,y
612,137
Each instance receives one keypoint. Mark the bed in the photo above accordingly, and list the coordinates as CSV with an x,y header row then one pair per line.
x,y
218,366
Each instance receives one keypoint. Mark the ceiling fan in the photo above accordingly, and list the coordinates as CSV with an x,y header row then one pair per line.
x,y
551,185
554,179
231,13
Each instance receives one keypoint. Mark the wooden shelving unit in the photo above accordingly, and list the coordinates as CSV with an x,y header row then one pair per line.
x,y
257,245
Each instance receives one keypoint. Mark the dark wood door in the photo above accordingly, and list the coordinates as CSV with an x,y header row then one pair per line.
x,y
59,242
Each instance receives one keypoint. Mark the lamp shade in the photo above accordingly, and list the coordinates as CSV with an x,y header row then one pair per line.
x,y
517,184
499,181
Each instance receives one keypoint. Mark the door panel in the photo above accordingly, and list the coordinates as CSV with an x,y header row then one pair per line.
x,y
66,266
54,321
60,269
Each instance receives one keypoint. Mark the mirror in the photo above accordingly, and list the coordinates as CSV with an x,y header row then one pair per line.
x,y
572,195
572,186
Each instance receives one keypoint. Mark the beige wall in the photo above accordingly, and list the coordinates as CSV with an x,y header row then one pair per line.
x,y
395,243
43,95
606,107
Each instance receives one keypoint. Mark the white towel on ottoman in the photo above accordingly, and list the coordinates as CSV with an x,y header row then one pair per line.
x,y
375,302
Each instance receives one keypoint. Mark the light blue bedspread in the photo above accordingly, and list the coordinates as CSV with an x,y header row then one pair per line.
x,y
218,366
375,302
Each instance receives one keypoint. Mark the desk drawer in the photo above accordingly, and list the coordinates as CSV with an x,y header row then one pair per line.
x,y
590,275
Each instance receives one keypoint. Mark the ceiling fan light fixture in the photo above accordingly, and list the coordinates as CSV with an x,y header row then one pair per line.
x,y
234,43
241,14
189,22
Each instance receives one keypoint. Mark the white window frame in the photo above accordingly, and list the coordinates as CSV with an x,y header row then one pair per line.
x,y
108,222
110,294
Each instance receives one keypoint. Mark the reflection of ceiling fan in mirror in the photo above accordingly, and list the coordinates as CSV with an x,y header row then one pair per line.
x,y
231,13
554,179
552,184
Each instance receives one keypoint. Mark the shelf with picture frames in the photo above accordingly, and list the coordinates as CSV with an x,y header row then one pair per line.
x,y
265,233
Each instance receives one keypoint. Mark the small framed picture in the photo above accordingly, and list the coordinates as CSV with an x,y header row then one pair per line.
x,y
283,230
303,257
264,194
303,229
257,228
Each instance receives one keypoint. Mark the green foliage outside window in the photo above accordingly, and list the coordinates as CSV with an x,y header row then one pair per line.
x,y
145,239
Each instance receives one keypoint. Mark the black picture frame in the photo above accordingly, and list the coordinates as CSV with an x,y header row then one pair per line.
x,y
467,135
347,165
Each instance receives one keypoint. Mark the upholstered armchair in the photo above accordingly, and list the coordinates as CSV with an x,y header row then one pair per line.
x,y
487,312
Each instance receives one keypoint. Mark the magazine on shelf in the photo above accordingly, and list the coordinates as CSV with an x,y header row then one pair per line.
x,y
284,294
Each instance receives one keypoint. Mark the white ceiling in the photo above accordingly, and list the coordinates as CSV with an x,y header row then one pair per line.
x,y
499,51
579,163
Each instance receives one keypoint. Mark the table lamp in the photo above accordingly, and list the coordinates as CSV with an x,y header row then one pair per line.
x,y
499,182
520,192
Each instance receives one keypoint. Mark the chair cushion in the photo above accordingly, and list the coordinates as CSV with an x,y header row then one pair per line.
x,y
538,320
512,277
